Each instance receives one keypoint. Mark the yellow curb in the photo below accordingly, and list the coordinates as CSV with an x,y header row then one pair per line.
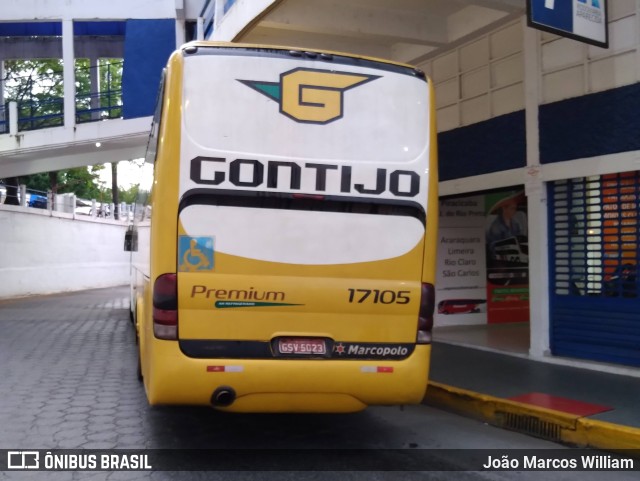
x,y
537,421
604,435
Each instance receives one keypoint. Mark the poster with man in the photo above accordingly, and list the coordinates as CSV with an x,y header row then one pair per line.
x,y
507,257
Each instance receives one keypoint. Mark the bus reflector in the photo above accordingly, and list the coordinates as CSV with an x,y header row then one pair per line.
x,y
425,315
225,368
377,369
165,307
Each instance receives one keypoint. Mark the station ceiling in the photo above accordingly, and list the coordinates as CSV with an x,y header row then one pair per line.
x,y
408,31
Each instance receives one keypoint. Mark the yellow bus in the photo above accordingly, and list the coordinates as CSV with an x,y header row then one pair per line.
x,y
284,251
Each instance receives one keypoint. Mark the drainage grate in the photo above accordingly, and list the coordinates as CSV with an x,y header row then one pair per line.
x,y
530,425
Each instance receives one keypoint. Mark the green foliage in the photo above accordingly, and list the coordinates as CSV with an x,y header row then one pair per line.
x,y
104,100
37,87
83,181
129,195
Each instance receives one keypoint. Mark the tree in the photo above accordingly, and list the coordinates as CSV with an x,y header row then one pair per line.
x,y
114,189
130,195
12,191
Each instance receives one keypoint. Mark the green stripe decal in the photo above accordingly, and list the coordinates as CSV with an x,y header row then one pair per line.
x,y
232,304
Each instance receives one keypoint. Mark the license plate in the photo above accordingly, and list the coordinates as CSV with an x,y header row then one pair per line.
x,y
301,346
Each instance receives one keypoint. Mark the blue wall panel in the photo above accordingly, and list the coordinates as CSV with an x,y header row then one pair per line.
x,y
491,146
596,124
147,46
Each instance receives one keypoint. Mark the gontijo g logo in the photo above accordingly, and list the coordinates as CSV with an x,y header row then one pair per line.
x,y
310,95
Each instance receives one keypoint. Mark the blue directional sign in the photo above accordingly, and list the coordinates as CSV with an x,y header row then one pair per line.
x,y
583,20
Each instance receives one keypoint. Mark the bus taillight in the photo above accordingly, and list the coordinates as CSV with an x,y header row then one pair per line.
x,y
425,316
165,307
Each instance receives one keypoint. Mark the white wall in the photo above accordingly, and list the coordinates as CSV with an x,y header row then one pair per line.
x,y
45,252
571,69
484,78
481,79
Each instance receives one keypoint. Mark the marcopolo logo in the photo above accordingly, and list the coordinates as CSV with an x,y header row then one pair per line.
x,y
373,351
310,95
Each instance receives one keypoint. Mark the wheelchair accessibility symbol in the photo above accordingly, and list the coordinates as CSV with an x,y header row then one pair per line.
x,y
195,253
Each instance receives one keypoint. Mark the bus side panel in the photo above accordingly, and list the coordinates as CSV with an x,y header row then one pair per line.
x,y
431,235
164,211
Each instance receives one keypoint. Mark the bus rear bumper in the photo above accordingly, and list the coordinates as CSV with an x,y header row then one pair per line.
x,y
284,385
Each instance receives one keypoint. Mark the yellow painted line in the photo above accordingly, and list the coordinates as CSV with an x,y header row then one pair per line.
x,y
570,428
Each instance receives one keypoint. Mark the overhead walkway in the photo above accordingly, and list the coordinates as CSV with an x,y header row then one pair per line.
x,y
57,148
92,97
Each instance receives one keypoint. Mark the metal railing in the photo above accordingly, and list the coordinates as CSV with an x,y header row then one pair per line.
x,y
109,106
40,114
37,111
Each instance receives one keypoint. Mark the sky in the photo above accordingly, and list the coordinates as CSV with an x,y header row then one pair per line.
x,y
128,173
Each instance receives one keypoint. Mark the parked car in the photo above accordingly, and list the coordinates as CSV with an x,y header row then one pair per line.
x,y
37,201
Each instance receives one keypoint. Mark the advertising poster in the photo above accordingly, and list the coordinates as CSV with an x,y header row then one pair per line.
x,y
461,274
507,254
483,260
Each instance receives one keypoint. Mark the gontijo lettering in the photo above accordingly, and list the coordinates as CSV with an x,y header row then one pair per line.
x,y
218,171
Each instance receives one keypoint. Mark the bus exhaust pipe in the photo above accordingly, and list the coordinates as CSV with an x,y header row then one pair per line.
x,y
223,396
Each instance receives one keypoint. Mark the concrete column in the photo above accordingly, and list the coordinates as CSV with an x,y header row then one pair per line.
x,y
68,74
2,83
13,118
181,36
200,28
218,13
4,109
180,20
23,194
72,204
535,189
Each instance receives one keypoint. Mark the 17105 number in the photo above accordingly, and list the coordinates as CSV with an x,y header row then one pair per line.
x,y
377,296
